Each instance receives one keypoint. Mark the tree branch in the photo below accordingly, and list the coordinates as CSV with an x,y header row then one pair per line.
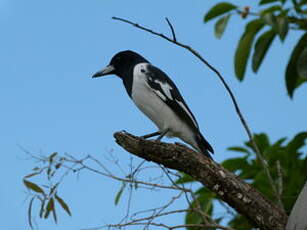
x,y
221,78
241,196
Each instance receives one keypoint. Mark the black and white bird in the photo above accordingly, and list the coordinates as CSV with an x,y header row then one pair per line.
x,y
155,94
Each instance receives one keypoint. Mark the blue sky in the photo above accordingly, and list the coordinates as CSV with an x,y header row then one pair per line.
x,y
50,49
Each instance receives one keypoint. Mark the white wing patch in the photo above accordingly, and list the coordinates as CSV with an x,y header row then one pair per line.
x,y
160,95
187,111
161,88
166,88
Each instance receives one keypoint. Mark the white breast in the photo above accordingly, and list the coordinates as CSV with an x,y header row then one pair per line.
x,y
155,109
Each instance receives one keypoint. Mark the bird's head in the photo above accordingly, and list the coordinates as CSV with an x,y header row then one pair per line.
x,y
121,64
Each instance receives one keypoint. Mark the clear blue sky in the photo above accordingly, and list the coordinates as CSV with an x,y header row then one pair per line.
x,y
50,49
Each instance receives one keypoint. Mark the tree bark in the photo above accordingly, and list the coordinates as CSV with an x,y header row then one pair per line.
x,y
246,200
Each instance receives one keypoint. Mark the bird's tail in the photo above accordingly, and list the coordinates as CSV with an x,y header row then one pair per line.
x,y
203,145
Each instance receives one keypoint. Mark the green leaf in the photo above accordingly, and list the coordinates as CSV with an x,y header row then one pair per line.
x,y
54,215
270,10
244,47
262,2
297,142
262,141
300,7
30,212
63,204
185,178
238,149
240,222
58,165
119,193
33,187
219,9
293,79
262,184
271,20
205,199
32,174
52,156
193,218
282,27
235,164
41,211
220,26
279,142
49,208
261,47
302,64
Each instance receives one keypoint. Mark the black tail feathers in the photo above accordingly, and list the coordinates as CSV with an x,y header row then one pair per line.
x,y
203,145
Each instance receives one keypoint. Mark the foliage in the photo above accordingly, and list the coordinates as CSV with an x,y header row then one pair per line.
x,y
287,165
46,195
275,18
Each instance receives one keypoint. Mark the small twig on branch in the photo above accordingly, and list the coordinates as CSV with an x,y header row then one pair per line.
x,y
172,29
235,103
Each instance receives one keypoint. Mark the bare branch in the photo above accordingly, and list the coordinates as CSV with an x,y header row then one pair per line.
x,y
238,194
233,99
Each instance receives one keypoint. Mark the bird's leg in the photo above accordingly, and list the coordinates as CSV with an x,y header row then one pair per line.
x,y
162,134
151,135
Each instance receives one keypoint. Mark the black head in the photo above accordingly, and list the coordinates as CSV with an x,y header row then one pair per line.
x,y
121,64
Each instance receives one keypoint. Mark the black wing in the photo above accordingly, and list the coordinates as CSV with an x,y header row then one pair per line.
x,y
164,88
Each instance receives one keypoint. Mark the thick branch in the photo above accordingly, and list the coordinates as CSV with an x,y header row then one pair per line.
x,y
235,192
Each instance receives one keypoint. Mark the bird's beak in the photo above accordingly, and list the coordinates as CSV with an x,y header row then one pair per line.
x,y
105,71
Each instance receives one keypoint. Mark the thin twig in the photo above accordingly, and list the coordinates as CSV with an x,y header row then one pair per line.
x,y
233,99
119,226
160,214
85,166
172,29
173,199
131,175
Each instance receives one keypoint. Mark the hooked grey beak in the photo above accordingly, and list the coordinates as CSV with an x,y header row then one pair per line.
x,y
106,71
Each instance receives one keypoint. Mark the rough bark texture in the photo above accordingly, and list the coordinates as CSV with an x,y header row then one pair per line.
x,y
261,212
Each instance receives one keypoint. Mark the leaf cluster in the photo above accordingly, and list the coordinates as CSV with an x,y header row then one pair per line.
x,y
275,18
46,195
286,163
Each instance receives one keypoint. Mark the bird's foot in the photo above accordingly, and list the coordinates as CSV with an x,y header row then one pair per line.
x,y
151,135
163,133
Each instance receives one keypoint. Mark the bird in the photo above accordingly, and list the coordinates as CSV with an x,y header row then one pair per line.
x,y
156,95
